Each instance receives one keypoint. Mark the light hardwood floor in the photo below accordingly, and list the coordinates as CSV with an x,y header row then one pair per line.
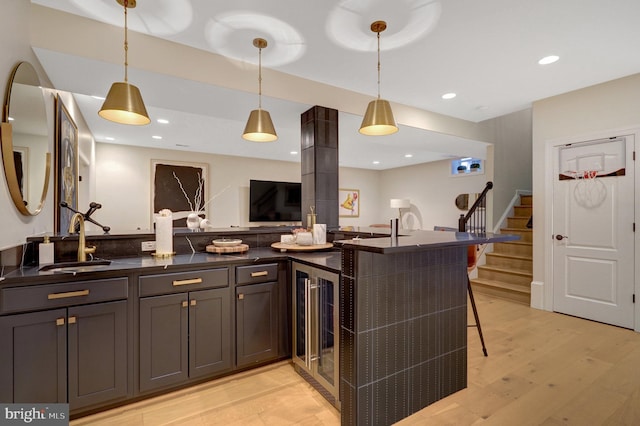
x,y
543,369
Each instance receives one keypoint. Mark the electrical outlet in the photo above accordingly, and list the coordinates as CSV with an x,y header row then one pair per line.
x,y
148,246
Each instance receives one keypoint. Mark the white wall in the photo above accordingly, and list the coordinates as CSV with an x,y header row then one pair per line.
x,y
123,184
14,33
512,138
368,183
432,191
123,187
610,106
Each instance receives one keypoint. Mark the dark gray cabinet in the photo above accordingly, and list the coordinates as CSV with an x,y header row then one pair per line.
x,y
184,335
256,314
75,353
33,360
97,342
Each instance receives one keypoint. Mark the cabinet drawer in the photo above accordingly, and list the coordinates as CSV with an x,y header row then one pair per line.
x,y
256,273
64,294
151,285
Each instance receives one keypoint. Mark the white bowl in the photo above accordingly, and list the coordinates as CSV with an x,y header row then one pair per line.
x,y
226,243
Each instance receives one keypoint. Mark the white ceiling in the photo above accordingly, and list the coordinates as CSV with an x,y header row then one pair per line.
x,y
485,51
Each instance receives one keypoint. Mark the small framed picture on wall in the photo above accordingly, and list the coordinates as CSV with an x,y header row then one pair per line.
x,y
349,202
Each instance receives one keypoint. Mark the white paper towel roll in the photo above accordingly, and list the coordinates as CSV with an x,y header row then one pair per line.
x,y
164,232
319,233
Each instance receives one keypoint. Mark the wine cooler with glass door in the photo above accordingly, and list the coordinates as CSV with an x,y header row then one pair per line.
x,y
316,328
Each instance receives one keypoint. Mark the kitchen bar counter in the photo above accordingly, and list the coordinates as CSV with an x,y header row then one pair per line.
x,y
403,310
411,241
403,323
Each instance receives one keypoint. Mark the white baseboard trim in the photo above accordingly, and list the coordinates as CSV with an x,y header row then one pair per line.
x,y
537,295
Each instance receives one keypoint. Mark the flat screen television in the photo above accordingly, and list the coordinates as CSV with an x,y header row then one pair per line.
x,y
271,201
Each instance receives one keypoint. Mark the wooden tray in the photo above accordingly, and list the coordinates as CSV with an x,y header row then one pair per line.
x,y
295,247
240,248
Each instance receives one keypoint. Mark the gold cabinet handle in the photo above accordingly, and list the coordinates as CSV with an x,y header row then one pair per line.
x,y
54,296
259,274
185,303
193,302
187,282
241,296
60,321
72,320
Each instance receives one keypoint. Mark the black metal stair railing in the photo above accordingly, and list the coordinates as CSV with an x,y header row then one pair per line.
x,y
475,221
476,218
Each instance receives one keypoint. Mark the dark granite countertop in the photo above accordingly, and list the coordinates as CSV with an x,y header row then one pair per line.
x,y
32,274
421,240
329,260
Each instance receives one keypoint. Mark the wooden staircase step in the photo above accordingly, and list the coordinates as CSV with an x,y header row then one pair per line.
x,y
517,248
526,200
508,271
519,222
515,293
523,211
505,275
526,234
509,261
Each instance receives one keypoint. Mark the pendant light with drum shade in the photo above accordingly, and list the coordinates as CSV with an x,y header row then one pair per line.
x,y
378,120
124,103
259,127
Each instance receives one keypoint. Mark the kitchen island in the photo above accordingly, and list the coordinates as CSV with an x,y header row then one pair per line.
x,y
403,323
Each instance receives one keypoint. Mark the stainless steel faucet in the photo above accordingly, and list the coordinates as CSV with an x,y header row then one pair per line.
x,y
82,249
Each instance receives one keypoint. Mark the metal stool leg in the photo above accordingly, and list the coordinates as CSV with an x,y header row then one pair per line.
x,y
475,314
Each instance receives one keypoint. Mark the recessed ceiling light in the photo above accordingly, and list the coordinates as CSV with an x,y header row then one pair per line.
x,y
548,60
100,98
376,162
408,155
109,138
182,145
162,121
294,153
156,137
449,95
11,119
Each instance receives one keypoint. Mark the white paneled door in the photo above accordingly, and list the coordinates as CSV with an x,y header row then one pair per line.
x,y
593,241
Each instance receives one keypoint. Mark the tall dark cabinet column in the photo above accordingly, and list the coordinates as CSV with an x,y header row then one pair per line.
x,y
319,144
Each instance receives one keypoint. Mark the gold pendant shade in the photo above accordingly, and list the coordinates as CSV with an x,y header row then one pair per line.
x,y
259,126
124,102
124,105
378,119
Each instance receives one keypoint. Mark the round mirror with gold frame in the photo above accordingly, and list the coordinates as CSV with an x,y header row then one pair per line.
x,y
24,135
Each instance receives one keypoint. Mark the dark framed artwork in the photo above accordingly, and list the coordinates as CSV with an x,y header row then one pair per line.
x,y
180,187
66,167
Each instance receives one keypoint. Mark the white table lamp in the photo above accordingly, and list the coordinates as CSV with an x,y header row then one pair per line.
x,y
400,203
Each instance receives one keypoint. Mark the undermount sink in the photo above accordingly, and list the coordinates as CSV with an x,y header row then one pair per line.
x,y
88,266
